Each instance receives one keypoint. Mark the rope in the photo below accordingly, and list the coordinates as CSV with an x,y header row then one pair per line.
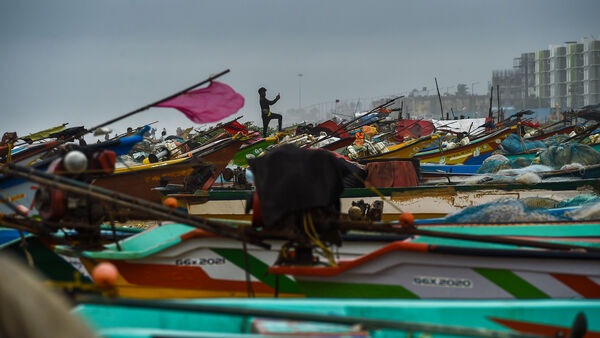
x,y
311,232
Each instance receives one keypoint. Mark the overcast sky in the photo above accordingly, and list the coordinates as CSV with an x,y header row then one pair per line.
x,y
86,62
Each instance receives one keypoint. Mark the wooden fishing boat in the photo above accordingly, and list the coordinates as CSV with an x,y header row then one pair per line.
x,y
403,150
252,150
21,192
17,191
286,248
542,133
473,153
342,318
60,271
423,201
179,261
29,154
258,148
435,269
198,171
140,181
339,144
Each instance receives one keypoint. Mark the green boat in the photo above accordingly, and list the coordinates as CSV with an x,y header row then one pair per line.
x,y
252,150
556,260
348,318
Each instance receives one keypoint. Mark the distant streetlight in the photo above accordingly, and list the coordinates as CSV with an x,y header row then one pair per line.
x,y
299,90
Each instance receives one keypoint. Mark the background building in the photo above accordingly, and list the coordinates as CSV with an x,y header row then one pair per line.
x,y
549,81
562,77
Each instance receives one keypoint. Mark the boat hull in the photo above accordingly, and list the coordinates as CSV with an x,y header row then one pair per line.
x,y
191,263
426,201
195,318
404,150
473,153
415,270
178,261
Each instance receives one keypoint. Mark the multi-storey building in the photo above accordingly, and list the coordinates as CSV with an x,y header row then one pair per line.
x,y
565,76
591,71
542,78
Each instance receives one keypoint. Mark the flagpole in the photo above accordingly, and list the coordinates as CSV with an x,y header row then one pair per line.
x,y
211,78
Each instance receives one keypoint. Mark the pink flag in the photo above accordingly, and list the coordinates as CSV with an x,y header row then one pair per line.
x,y
210,104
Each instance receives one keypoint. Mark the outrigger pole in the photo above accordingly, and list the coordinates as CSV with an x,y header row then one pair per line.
x,y
211,78
439,97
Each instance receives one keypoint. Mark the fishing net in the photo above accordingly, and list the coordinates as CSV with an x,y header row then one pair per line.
x,y
530,209
503,211
514,145
555,140
534,168
579,200
558,156
498,162
589,211
494,163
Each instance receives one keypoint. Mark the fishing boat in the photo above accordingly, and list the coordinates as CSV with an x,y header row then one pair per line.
x,y
422,200
35,145
196,170
20,191
17,191
427,269
253,149
180,261
62,272
295,248
472,153
402,150
342,318
334,138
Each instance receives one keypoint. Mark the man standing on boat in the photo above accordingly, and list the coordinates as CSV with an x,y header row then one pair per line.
x,y
265,110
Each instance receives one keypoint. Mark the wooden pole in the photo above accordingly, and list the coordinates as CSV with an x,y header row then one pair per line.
x,y
439,98
500,112
491,102
148,106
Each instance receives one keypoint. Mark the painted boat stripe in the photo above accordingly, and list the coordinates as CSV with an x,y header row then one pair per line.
x,y
581,284
511,283
259,270
549,284
182,277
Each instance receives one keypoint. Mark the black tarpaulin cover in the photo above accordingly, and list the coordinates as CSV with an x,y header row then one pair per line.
x,y
289,179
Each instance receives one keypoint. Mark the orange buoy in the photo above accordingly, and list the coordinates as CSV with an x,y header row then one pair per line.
x,y
170,202
105,275
407,219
